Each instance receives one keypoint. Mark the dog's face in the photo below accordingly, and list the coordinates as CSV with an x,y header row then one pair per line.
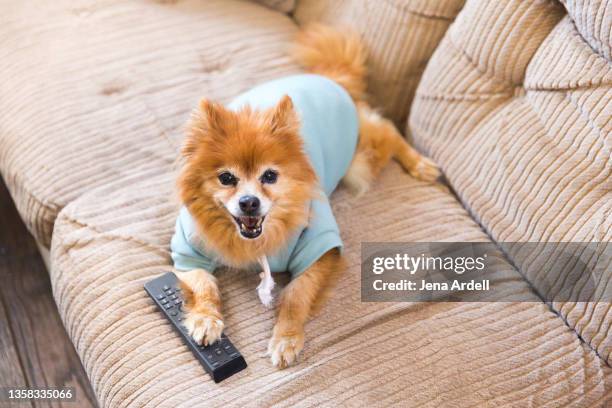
x,y
246,198
246,181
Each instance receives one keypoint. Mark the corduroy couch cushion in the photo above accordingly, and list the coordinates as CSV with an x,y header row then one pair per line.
x,y
357,354
98,93
516,105
400,36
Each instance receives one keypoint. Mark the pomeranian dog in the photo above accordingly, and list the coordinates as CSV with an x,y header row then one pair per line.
x,y
257,177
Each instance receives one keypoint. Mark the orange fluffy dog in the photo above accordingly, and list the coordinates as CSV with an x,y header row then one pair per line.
x,y
247,183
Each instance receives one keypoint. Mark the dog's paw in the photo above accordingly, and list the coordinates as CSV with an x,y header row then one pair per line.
x,y
425,170
284,350
203,327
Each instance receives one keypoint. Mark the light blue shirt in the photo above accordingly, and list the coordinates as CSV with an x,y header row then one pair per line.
x,y
330,128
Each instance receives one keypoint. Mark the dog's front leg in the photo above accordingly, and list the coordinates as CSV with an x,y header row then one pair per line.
x,y
203,318
298,301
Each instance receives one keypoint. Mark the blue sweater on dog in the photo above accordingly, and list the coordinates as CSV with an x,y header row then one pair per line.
x,y
330,128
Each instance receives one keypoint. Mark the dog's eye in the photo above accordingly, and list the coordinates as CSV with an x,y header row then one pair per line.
x,y
228,179
269,177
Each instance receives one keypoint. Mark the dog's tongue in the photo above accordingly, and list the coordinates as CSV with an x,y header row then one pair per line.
x,y
250,222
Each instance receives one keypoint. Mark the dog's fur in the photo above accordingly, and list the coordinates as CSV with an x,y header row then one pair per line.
x,y
248,142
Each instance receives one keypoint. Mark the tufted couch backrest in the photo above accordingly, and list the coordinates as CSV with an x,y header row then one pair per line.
x,y
516,106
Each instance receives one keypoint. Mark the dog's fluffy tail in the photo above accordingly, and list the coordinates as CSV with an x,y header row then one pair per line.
x,y
337,55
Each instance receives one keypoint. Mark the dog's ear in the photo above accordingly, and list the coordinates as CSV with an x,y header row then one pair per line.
x,y
284,117
207,120
212,115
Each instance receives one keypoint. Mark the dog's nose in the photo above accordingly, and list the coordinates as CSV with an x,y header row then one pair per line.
x,y
249,204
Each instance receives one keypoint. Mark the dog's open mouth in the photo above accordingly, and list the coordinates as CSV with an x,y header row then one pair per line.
x,y
250,227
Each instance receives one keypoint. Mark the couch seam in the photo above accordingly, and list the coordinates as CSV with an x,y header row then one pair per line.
x,y
597,85
111,235
422,14
509,84
465,96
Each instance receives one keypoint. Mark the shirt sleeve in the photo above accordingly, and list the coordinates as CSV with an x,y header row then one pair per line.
x,y
186,253
321,235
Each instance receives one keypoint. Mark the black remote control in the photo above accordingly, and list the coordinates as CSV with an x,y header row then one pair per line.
x,y
221,359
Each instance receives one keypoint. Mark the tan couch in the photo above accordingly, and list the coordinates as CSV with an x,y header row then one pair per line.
x,y
514,104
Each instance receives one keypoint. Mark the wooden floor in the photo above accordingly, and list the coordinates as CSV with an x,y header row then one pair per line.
x,y
34,348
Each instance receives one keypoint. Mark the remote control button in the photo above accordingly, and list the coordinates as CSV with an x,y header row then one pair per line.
x,y
233,355
209,356
218,351
168,306
162,296
166,287
177,301
169,292
164,301
173,297
178,289
173,313
216,364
